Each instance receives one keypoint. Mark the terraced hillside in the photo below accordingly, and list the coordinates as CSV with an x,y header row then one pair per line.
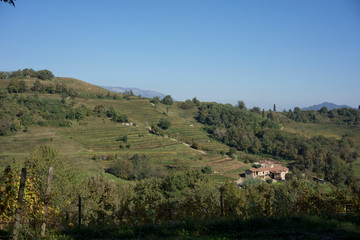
x,y
89,141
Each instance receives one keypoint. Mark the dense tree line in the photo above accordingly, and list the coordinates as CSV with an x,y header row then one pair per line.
x,y
27,73
250,131
18,84
235,126
346,116
167,100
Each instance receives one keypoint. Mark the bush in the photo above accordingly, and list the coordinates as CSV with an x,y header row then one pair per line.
x,y
17,86
248,182
155,100
42,123
207,170
188,104
45,74
195,145
5,127
123,138
164,124
65,123
269,180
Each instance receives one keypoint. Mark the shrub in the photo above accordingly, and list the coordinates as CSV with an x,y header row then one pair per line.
x,y
123,138
164,123
42,123
207,170
269,180
155,100
195,145
65,123
188,104
45,74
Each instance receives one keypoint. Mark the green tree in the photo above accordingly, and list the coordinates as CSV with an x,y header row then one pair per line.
x,y
164,123
17,86
122,169
29,72
45,74
167,100
5,126
188,104
241,105
12,2
3,75
142,168
255,110
196,101
155,100
38,87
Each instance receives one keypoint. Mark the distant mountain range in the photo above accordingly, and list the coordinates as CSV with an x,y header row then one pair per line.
x,y
328,105
136,91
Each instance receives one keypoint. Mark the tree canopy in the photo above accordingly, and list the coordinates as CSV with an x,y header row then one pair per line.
x,y
12,2
167,100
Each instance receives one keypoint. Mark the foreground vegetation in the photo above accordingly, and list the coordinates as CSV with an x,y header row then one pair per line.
x,y
184,203
305,227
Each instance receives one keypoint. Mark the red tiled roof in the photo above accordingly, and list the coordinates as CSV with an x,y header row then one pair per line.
x,y
259,169
276,169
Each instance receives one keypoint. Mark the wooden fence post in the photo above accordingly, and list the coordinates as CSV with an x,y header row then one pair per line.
x,y
47,198
221,205
20,201
79,211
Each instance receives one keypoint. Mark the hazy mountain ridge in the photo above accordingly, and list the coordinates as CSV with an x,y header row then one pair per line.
x,y
136,91
328,105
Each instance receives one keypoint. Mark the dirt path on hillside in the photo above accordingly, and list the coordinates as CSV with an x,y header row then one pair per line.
x,y
200,151
188,145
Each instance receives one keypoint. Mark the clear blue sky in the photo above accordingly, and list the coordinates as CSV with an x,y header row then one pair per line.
x,y
283,52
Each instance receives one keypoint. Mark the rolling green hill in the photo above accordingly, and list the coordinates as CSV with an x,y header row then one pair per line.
x,y
91,138
61,112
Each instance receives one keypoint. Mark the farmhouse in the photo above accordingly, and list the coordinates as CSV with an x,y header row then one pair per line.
x,y
268,169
